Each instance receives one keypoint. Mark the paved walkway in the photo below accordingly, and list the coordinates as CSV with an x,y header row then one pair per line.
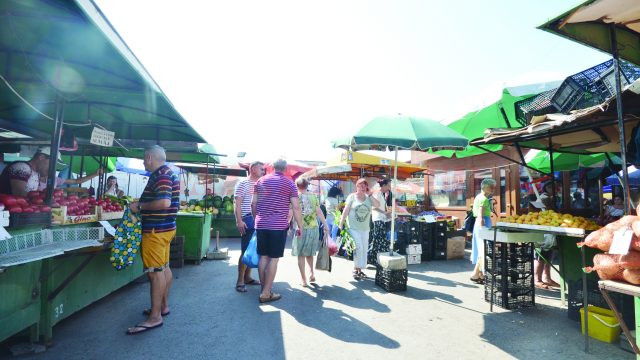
x,y
441,316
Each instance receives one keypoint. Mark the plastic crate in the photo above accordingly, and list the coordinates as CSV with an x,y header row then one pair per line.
x,y
26,219
176,252
23,241
391,280
575,301
509,300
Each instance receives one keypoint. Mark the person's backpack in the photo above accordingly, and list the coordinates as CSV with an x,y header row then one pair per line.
x,y
469,221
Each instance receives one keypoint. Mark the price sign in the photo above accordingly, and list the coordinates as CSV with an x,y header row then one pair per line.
x,y
102,137
621,242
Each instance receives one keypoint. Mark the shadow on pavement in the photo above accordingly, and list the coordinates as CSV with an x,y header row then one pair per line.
x,y
332,322
439,281
355,298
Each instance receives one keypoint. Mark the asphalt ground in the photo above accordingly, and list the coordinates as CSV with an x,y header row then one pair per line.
x,y
442,315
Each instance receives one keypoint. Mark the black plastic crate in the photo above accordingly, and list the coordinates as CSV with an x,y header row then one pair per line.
x,y
509,300
575,301
439,254
391,280
427,250
176,252
511,253
27,219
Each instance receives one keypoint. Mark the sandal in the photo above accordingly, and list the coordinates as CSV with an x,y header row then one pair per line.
x,y
147,312
476,280
144,328
551,284
312,279
362,275
356,275
541,285
272,297
241,288
252,282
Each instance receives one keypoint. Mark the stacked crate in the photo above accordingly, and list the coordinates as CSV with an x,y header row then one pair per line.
x,y
442,231
428,234
511,275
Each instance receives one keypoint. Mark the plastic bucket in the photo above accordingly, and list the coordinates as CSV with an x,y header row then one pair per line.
x,y
603,324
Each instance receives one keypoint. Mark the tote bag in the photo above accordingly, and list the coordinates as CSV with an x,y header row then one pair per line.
x,y
126,243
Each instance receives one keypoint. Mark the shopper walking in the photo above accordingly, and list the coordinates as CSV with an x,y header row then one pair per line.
x,y
158,207
306,245
243,195
381,216
358,212
331,205
273,195
482,212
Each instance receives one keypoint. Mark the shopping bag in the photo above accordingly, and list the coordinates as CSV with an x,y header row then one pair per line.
x,y
251,257
323,262
469,222
126,243
333,247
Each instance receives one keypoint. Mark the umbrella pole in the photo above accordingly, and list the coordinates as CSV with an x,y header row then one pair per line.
x,y
623,143
129,184
393,202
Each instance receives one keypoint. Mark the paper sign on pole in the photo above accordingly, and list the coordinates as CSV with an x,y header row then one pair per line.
x,y
102,137
108,228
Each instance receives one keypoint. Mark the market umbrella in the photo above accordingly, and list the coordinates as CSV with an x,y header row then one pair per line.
x,y
402,133
569,161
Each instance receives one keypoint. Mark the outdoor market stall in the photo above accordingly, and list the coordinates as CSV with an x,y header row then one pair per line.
x,y
66,70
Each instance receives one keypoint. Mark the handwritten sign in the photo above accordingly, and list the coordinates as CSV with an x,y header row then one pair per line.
x,y
102,137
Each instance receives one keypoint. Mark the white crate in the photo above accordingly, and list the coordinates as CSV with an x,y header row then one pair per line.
x,y
414,249
414,259
4,214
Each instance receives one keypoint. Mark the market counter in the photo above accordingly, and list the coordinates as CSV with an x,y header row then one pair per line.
x,y
20,305
196,229
226,226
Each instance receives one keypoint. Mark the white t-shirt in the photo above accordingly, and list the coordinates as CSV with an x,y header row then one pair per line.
x,y
331,204
377,215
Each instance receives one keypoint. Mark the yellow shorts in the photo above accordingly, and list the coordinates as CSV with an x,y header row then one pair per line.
x,y
155,250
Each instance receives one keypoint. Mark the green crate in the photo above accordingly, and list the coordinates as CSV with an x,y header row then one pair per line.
x,y
196,229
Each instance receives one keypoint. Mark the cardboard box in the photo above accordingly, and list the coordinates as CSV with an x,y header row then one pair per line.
x,y
113,215
414,259
455,247
414,249
60,217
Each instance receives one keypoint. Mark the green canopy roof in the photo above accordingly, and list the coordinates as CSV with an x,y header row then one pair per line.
x,y
569,162
473,125
68,49
591,23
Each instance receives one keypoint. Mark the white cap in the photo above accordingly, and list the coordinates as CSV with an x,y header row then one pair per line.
x,y
47,151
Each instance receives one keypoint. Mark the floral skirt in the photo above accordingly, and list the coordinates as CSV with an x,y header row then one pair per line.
x,y
307,244
378,243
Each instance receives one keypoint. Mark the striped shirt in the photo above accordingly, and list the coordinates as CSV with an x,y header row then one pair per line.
x,y
162,184
274,193
244,189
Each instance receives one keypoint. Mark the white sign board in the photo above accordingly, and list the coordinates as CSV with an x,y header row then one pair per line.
x,y
102,137
621,242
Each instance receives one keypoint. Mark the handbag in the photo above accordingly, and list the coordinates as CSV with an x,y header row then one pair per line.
x,y
251,257
126,243
469,221
323,262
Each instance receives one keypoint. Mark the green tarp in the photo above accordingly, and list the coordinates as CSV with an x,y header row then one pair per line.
x,y
569,162
473,125
53,49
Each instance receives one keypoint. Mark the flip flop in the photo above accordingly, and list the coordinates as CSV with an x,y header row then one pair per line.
x,y
252,282
552,284
144,327
477,280
147,312
241,288
272,297
312,279
541,285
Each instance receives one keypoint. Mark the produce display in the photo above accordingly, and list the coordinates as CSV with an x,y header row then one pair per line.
x,y
33,203
552,218
210,204
612,266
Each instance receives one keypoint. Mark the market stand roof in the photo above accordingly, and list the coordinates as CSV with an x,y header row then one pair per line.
x,y
590,130
352,165
590,24
68,49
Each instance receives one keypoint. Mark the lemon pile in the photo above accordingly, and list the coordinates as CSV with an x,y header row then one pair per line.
x,y
552,218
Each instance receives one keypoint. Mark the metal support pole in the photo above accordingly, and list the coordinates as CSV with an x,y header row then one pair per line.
x,y
493,266
585,302
553,175
71,167
393,203
129,184
623,143
55,146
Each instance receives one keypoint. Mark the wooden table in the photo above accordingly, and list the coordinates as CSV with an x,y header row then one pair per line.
x,y
627,289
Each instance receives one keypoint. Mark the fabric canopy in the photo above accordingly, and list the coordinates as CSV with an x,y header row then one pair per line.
x,y
497,115
569,162
353,165
591,24
67,50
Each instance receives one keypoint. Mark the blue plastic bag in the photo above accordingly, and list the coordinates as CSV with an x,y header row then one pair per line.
x,y
251,257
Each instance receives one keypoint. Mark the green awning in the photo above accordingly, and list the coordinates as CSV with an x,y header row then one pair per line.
x,y
473,125
51,48
569,162
591,24
90,165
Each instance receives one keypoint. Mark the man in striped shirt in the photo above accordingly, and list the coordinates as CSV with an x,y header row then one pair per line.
x,y
158,207
272,197
243,194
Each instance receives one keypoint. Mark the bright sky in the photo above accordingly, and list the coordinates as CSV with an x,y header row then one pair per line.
x,y
281,77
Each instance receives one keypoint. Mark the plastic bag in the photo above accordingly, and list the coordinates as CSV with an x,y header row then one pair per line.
x,y
324,260
126,243
333,247
251,257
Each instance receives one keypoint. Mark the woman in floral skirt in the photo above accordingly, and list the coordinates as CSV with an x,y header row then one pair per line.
x,y
381,216
307,244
